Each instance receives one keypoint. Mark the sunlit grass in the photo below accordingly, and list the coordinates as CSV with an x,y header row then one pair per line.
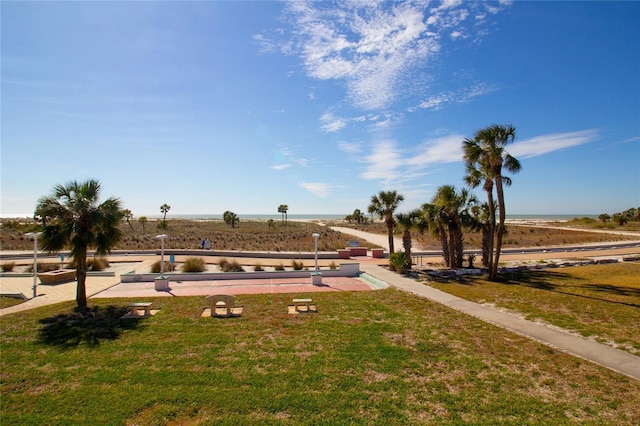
x,y
383,357
601,301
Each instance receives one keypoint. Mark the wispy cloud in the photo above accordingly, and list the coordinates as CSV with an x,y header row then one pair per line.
x,y
447,149
350,147
548,143
319,189
383,163
279,167
461,96
374,46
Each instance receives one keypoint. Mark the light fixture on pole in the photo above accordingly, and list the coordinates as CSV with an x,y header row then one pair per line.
x,y
161,238
315,237
35,236
162,282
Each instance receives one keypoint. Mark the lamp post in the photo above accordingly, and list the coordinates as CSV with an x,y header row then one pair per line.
x,y
161,238
162,282
35,236
315,237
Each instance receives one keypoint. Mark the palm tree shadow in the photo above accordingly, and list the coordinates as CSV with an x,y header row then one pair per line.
x,y
542,280
99,323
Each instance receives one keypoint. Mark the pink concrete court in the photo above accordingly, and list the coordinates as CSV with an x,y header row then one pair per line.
x,y
236,287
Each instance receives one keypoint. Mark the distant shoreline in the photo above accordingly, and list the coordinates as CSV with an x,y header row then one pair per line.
x,y
514,218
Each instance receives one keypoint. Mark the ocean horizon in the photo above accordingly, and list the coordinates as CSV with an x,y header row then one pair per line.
x,y
307,217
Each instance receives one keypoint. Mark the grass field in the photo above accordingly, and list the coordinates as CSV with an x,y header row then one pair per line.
x,y
383,357
598,301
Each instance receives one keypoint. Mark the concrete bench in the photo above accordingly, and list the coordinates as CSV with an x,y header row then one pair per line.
x,y
304,305
57,277
377,253
145,307
358,251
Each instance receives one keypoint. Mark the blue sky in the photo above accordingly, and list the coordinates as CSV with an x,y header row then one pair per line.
x,y
243,106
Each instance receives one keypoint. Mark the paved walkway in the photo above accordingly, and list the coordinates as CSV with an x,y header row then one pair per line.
x,y
606,356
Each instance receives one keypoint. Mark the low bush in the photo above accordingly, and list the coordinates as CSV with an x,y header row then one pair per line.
x,y
279,267
333,265
297,265
230,266
194,264
8,266
44,267
97,264
258,268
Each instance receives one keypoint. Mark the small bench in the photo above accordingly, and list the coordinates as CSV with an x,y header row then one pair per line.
x,y
144,307
303,305
222,306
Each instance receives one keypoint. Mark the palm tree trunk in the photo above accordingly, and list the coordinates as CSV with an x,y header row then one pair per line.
x,y
500,229
486,250
445,245
389,221
81,276
459,249
492,230
406,242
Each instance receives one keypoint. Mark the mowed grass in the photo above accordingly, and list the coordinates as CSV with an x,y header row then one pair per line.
x,y
597,301
383,357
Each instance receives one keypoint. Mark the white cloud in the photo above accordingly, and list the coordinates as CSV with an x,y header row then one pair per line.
x,y
461,96
544,144
332,123
370,46
383,162
280,166
318,189
447,149
350,147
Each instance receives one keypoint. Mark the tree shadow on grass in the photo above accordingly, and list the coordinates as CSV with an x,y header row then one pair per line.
x,y
97,324
544,280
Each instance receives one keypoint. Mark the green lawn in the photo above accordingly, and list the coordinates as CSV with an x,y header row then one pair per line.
x,y
383,357
599,301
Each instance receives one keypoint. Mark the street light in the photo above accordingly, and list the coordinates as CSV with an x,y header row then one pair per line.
x,y
35,236
315,237
162,238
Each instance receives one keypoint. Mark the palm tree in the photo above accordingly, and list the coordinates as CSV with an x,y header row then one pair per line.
x,y
481,214
407,222
452,210
230,218
164,209
128,216
485,157
75,219
436,220
282,208
384,205
143,221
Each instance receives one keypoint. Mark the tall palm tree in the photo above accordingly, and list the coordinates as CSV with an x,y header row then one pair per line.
x,y
74,218
128,216
143,221
384,206
282,208
454,212
485,157
164,209
408,222
437,219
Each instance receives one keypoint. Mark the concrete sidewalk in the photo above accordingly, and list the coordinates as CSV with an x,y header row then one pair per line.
x,y
614,359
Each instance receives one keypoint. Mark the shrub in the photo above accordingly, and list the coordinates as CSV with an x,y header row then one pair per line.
x,y
194,264
279,267
222,263
398,262
258,268
8,266
44,267
232,266
297,265
97,264
333,265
